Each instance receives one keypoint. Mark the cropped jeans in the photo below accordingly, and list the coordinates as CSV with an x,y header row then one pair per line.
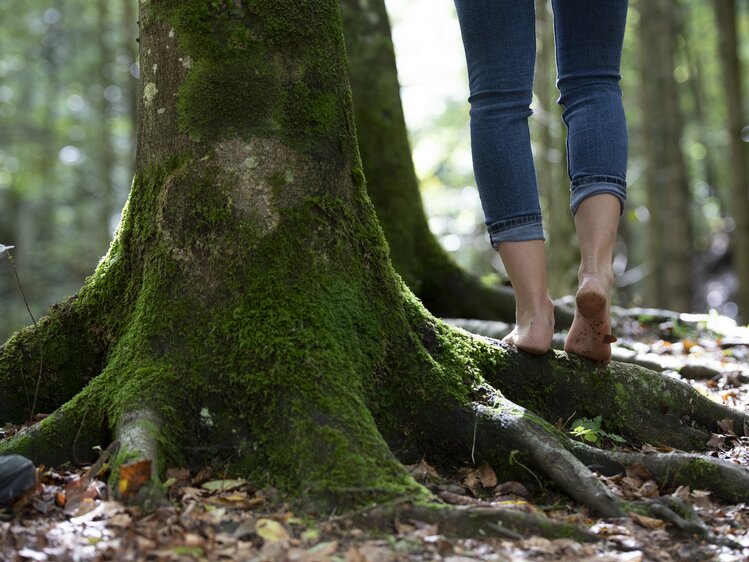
x,y
500,47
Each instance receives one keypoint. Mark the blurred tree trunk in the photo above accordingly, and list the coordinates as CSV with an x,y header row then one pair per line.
x,y
130,45
696,88
550,168
669,229
725,15
105,156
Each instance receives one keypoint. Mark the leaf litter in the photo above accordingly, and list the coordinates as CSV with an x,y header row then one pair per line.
x,y
71,516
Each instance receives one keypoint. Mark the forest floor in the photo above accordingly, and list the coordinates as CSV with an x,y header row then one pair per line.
x,y
70,518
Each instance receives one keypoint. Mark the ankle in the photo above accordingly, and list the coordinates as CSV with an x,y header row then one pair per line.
x,y
604,274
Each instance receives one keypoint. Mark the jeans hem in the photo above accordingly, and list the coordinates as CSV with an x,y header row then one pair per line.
x,y
516,229
595,185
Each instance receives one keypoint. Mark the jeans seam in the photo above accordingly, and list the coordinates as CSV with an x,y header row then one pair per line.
x,y
587,180
507,224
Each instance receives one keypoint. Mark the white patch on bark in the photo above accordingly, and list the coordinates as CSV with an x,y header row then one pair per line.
x,y
155,68
185,61
171,32
161,111
149,92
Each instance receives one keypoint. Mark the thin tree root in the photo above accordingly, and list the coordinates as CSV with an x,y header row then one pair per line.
x,y
726,480
470,521
506,422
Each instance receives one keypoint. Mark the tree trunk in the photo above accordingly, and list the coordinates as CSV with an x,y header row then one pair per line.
x,y
247,314
669,228
444,288
725,14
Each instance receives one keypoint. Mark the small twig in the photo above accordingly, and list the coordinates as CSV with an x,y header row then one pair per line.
x,y
18,281
514,460
96,467
473,445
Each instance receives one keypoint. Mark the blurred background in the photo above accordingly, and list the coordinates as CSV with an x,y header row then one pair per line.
x,y
68,104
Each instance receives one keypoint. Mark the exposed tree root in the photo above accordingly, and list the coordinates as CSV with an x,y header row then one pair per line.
x,y
47,364
726,480
468,521
690,368
643,405
69,434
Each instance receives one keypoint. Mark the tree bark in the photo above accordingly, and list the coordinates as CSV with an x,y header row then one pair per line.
x,y
247,314
725,15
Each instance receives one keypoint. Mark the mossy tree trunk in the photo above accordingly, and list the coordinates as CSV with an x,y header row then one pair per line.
x,y
445,289
247,314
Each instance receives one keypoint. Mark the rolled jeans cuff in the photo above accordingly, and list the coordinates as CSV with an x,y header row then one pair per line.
x,y
516,229
586,187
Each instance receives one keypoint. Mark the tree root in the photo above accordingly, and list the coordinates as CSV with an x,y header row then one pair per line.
x,y
468,521
642,405
689,368
68,435
47,364
727,480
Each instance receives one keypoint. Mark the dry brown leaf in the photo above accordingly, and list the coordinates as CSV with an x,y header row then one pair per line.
x,y
716,441
423,473
133,476
727,426
639,471
645,521
473,482
270,530
487,477
649,489
512,487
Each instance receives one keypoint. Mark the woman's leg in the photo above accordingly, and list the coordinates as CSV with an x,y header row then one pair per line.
x,y
500,45
589,37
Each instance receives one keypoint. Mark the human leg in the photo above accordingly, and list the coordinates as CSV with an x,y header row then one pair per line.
x,y
499,41
589,36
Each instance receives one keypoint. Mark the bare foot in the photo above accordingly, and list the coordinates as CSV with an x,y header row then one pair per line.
x,y
534,330
590,334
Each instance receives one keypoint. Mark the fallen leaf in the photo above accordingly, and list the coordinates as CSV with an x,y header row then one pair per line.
x,y
223,485
644,521
727,426
423,473
270,530
133,476
716,441
512,487
487,476
639,471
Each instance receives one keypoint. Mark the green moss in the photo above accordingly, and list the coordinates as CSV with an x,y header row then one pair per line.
x,y
697,473
262,68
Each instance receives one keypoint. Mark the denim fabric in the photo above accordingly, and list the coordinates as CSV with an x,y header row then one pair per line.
x,y
500,46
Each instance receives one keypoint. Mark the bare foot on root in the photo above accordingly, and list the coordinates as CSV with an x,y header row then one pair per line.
x,y
590,334
533,333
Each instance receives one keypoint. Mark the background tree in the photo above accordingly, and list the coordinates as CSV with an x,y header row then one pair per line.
x,y
247,313
670,246
725,15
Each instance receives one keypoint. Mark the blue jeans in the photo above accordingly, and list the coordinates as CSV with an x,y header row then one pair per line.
x,y
500,46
